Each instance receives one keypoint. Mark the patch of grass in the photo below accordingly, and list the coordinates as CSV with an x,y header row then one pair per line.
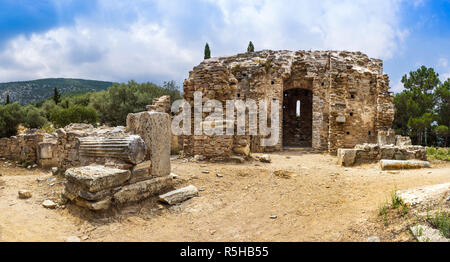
x,y
26,164
442,154
396,200
441,221
383,209
396,203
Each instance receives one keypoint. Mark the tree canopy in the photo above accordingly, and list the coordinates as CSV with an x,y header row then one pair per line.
x,y
422,109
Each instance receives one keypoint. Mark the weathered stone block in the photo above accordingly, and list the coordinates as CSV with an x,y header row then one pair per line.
x,y
179,195
141,190
346,157
74,189
100,205
154,128
141,172
97,178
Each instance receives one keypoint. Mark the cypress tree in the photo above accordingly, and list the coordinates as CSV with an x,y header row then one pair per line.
x,y
7,99
251,47
207,52
56,96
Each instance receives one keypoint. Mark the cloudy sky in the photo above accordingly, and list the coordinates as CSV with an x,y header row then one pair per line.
x,y
160,40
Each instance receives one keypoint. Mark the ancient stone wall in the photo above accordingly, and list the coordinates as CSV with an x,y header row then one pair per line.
x,y
21,148
350,97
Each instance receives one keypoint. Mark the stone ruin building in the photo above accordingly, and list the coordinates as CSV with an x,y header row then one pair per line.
x,y
343,97
330,101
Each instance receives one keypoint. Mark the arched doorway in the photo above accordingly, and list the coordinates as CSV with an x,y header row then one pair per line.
x,y
297,117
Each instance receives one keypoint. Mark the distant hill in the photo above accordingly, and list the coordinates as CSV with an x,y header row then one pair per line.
x,y
27,92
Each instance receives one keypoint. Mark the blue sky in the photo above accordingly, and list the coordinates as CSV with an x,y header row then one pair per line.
x,y
159,40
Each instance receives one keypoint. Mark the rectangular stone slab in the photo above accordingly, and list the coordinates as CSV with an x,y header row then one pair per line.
x,y
97,178
79,192
141,190
179,195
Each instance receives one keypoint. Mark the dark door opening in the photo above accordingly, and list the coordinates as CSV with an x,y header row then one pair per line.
x,y
297,118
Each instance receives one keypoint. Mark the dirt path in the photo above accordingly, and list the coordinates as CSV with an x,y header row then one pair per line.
x,y
321,202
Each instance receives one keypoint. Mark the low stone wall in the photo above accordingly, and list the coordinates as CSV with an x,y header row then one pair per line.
x,y
21,148
370,153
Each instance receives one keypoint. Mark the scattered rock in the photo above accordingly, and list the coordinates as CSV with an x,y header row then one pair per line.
x,y
273,217
84,238
199,158
51,179
283,174
24,194
55,171
219,175
424,233
173,176
237,159
265,158
179,195
34,166
49,204
373,239
205,172
424,195
73,239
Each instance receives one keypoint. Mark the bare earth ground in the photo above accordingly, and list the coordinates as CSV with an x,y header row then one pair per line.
x,y
321,202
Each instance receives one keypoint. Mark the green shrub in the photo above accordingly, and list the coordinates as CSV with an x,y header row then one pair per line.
x,y
11,115
34,117
62,117
441,221
431,151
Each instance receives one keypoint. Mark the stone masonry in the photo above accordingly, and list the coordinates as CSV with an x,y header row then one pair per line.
x,y
343,97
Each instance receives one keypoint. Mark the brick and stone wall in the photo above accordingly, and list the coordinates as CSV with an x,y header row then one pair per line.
x,y
350,101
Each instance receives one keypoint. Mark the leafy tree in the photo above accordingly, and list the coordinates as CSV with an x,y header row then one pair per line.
x,y
443,103
416,104
207,51
8,101
56,96
11,116
34,117
443,132
62,117
118,101
251,47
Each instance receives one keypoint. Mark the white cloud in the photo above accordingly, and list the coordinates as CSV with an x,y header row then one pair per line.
x,y
445,77
443,63
154,40
139,51
398,87
368,26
